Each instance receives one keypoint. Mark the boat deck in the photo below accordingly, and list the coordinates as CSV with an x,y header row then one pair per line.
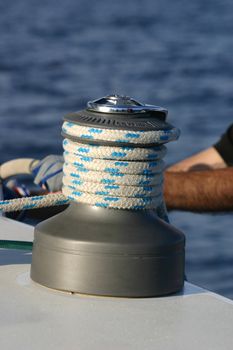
x,y
34,317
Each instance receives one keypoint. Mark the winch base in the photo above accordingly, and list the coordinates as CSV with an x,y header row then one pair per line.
x,y
109,252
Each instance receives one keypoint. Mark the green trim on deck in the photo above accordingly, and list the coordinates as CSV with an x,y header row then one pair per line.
x,y
22,245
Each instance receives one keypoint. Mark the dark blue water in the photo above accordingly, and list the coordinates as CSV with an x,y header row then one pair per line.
x,y
56,55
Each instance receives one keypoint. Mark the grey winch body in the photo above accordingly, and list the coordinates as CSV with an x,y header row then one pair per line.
x,y
110,252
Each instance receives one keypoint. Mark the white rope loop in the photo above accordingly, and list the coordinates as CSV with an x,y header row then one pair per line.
x,y
114,177
108,177
96,164
145,137
33,202
121,153
112,190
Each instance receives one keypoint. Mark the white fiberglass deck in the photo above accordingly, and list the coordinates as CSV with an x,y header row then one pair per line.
x,y
33,317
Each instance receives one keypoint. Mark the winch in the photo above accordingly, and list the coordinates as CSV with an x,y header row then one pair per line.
x,y
114,239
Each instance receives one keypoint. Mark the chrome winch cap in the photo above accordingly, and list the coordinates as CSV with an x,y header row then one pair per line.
x,y
123,105
121,112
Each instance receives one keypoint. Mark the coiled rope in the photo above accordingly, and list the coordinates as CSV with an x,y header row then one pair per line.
x,y
109,177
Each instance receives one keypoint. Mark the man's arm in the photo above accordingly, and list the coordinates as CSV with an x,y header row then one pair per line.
x,y
219,156
207,159
200,191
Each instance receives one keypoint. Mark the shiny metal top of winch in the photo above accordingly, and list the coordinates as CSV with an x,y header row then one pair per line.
x,y
121,112
122,104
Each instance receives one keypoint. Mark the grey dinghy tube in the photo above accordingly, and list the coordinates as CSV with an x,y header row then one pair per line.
x,y
107,251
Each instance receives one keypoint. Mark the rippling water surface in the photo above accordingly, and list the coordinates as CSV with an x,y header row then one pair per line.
x,y
56,55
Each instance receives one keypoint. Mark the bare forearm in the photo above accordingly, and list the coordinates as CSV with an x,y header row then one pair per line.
x,y
201,191
204,160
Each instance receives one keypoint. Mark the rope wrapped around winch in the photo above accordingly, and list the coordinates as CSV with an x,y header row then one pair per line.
x,y
119,177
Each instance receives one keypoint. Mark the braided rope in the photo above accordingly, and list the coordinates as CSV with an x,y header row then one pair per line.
x,y
114,153
109,177
33,202
115,177
136,137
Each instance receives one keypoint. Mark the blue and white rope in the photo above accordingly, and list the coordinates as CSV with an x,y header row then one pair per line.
x,y
115,177
120,152
109,177
35,202
143,137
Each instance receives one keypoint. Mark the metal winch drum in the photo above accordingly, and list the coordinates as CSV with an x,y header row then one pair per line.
x,y
103,250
